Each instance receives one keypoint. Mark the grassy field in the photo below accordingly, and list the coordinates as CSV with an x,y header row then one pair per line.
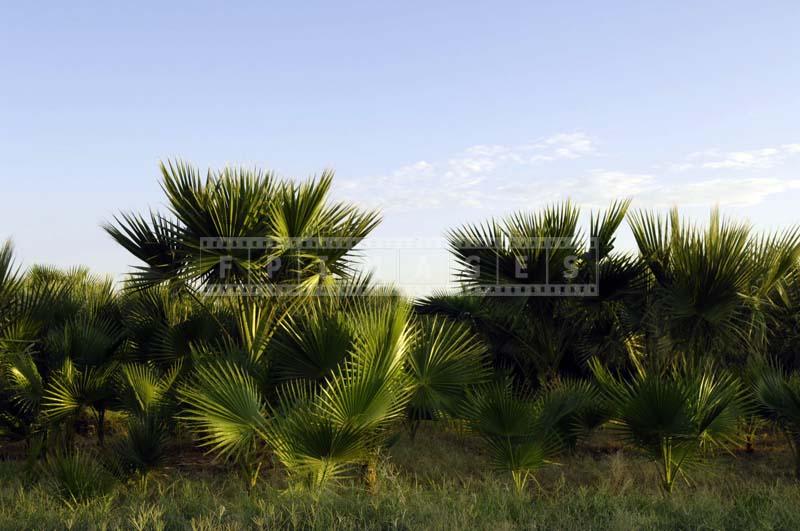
x,y
439,481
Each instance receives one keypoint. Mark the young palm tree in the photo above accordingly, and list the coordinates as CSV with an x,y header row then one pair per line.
x,y
347,420
87,349
146,394
446,360
323,424
778,397
59,348
572,408
674,417
521,437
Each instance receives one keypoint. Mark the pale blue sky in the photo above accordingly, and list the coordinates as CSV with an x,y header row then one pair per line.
x,y
441,112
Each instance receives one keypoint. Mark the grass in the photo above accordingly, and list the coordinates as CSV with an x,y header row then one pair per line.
x,y
439,481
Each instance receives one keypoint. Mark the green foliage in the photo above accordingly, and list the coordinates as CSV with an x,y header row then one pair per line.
x,y
778,397
520,436
225,406
313,343
143,447
320,433
446,359
78,476
675,417
573,408
713,288
319,387
445,484
9,279
239,202
540,335
146,395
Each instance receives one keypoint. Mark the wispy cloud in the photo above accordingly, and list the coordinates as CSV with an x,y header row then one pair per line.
x,y
500,178
462,179
600,187
723,192
763,158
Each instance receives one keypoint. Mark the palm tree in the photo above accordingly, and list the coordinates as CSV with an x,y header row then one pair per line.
x,y
241,226
146,394
778,397
526,250
59,349
446,359
520,436
674,417
86,350
322,424
713,290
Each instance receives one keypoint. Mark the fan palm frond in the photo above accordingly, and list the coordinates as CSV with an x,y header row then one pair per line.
x,y
142,389
23,379
225,407
9,278
674,417
446,359
312,344
519,438
778,397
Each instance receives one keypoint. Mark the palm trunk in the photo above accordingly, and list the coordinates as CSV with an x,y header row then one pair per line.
x,y
369,475
667,472
796,451
101,425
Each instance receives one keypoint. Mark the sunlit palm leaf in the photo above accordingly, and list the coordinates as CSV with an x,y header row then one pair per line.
x,y
225,407
446,359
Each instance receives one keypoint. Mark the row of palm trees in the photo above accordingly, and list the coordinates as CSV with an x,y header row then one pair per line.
x,y
686,341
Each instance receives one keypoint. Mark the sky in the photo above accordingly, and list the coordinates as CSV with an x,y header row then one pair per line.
x,y
438,113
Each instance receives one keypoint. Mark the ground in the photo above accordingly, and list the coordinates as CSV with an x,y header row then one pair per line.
x,y
441,480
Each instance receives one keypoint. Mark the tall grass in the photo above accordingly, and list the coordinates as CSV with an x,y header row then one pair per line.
x,y
442,483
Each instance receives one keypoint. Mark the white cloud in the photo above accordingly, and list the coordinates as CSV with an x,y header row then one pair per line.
x,y
460,180
791,148
600,187
570,145
500,178
763,158
723,192
614,184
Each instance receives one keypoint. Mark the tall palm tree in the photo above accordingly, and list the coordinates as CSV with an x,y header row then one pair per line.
x,y
526,250
712,290
241,226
